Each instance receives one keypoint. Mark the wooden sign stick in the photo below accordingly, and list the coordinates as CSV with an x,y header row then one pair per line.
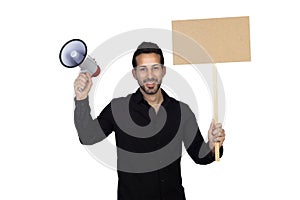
x,y
215,94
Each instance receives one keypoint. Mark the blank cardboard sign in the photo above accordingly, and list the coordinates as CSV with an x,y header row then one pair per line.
x,y
221,40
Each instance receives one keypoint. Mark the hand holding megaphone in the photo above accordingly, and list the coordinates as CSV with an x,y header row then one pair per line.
x,y
82,85
74,53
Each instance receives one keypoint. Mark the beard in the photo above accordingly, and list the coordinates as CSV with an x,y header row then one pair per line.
x,y
150,90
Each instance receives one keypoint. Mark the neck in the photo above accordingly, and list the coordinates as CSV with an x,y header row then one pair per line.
x,y
153,99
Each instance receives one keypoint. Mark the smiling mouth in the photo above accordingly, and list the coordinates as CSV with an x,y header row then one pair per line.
x,y
150,85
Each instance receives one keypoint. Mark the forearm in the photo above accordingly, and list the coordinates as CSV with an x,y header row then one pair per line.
x,y
207,158
89,130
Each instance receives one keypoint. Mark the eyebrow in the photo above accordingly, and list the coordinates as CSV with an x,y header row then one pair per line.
x,y
152,65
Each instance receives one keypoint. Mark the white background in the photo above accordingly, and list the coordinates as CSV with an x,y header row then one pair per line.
x,y
41,157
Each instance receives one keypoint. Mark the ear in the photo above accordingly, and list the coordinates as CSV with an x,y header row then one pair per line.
x,y
164,70
134,74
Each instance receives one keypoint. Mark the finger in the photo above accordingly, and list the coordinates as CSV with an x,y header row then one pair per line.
x,y
82,81
80,85
81,74
218,125
88,75
222,141
90,82
76,83
217,131
78,77
83,78
222,133
219,139
78,89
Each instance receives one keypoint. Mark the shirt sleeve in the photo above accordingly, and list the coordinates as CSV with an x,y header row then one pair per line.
x,y
91,131
194,143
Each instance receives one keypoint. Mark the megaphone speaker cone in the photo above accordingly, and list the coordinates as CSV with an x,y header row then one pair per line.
x,y
73,53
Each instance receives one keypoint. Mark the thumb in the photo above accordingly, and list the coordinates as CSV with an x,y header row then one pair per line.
x,y
212,126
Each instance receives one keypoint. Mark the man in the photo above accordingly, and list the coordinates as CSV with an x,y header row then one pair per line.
x,y
150,128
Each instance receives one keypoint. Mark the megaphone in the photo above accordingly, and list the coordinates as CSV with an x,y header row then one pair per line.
x,y
74,53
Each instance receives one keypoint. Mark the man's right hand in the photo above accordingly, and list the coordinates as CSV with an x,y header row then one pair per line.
x,y
82,85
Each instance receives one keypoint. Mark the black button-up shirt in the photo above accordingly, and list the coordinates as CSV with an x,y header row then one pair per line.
x,y
149,144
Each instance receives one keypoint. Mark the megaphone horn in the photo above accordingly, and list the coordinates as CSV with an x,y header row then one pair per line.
x,y
74,53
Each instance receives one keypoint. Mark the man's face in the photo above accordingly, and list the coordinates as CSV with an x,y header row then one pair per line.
x,y
149,72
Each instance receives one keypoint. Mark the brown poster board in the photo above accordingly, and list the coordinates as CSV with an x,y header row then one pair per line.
x,y
223,39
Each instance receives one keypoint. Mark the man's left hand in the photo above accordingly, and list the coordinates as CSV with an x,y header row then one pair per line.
x,y
215,134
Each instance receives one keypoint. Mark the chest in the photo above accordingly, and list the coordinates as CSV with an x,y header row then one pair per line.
x,y
147,130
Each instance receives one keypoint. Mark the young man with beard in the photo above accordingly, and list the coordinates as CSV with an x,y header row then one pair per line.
x,y
150,127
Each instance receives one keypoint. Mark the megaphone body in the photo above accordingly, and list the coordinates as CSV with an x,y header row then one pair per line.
x,y
74,53
90,65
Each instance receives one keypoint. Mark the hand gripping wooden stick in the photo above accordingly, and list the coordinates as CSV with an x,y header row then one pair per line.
x,y
215,94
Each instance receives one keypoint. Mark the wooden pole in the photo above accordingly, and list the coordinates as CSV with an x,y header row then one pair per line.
x,y
215,93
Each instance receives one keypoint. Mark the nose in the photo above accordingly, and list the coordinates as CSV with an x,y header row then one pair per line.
x,y
149,73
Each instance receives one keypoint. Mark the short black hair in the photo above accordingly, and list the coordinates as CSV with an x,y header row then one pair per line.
x,y
147,47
